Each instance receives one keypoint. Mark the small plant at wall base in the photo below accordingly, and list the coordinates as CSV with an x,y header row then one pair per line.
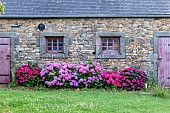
x,y
151,82
159,91
28,75
13,81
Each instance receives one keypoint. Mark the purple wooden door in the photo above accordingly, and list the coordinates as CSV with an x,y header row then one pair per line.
x,y
4,60
164,61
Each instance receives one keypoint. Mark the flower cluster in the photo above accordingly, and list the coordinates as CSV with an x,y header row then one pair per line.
x,y
112,78
71,75
89,74
27,75
132,79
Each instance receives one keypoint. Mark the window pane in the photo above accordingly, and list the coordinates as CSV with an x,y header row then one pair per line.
x,y
116,40
54,40
116,49
49,44
60,44
110,40
54,48
54,44
110,44
104,44
116,46
104,40
60,48
50,48
60,40
110,48
104,48
49,40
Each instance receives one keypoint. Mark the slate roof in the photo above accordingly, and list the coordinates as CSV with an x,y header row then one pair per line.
x,y
86,8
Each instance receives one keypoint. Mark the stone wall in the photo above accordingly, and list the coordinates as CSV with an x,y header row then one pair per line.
x,y
138,32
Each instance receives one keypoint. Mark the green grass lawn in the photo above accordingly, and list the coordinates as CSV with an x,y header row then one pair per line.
x,y
29,101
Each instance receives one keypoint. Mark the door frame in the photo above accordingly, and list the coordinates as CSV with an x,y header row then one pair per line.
x,y
13,41
157,35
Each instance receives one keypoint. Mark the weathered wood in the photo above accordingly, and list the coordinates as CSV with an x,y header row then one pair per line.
x,y
4,60
164,61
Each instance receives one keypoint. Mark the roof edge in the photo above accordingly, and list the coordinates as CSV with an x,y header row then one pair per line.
x,y
84,16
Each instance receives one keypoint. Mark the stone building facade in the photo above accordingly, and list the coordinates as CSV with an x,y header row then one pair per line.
x,y
82,45
85,27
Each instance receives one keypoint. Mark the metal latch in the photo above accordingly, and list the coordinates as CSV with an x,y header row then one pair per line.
x,y
159,58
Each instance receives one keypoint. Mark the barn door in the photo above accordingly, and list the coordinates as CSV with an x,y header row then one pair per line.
x,y
164,61
4,60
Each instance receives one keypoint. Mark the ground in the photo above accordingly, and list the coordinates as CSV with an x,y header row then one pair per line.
x,y
21,100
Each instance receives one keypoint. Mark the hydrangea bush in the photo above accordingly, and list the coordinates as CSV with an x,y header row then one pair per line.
x,y
132,79
126,79
28,75
72,75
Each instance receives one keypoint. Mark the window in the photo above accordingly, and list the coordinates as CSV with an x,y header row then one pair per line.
x,y
54,45
110,45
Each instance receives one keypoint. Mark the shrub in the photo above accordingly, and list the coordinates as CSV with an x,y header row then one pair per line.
x,y
112,78
72,75
132,79
28,75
